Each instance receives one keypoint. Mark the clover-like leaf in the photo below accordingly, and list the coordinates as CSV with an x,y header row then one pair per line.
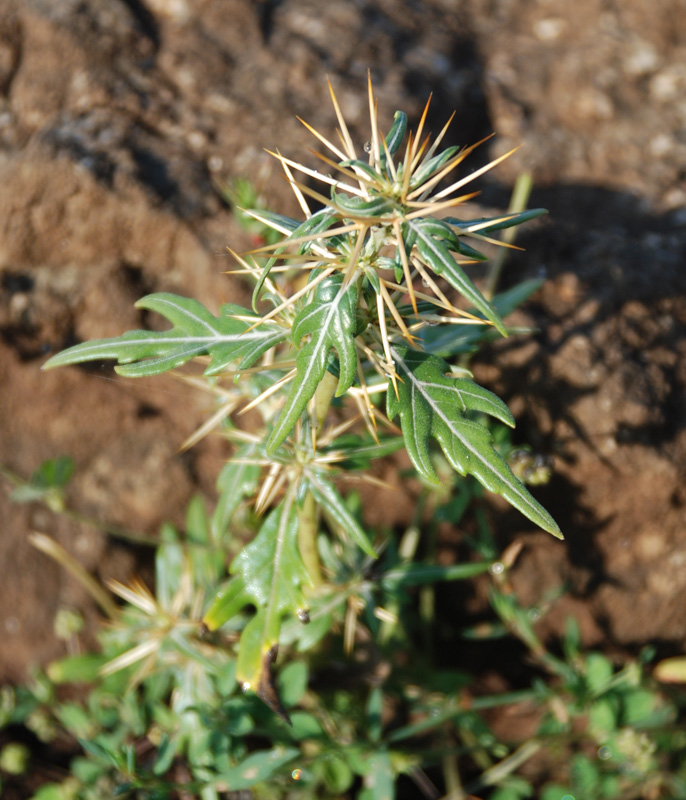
x,y
433,405
330,320
228,338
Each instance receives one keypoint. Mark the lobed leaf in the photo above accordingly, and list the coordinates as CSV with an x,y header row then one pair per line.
x,y
330,320
432,405
226,339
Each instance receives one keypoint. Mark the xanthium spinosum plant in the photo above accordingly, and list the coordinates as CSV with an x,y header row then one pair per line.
x,y
375,313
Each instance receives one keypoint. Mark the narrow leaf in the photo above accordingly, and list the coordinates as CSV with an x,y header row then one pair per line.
x,y
228,601
450,340
257,767
397,132
359,207
422,574
435,253
432,166
312,226
327,496
497,223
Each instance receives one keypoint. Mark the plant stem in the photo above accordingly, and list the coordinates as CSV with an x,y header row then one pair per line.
x,y
307,514
518,202
323,397
307,538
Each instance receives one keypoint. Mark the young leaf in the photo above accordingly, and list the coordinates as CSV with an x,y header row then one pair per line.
x,y
433,405
196,332
330,319
432,166
435,253
396,134
317,223
359,208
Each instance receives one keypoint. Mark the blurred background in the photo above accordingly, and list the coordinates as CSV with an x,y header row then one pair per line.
x,y
119,117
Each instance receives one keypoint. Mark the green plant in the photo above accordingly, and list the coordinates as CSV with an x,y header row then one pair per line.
x,y
164,714
367,296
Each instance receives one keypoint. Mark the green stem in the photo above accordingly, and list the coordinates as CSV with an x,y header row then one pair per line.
x,y
307,538
307,514
323,397
518,202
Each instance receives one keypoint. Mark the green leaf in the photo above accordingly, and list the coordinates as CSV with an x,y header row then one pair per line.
x,y
433,405
273,574
380,780
317,223
238,479
396,134
166,752
305,726
292,682
277,220
257,767
47,484
599,672
229,600
332,503
82,668
435,253
373,713
358,207
170,561
226,338
271,566
432,166
356,453
363,167
54,473
422,574
450,340
498,223
330,320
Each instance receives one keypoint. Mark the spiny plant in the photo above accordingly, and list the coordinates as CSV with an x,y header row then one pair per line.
x,y
359,299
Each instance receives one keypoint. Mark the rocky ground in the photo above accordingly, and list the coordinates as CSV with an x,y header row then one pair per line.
x,y
117,115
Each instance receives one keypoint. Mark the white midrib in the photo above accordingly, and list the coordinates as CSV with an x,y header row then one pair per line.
x,y
418,386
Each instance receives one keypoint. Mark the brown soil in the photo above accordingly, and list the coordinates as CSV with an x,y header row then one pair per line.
x,y
114,116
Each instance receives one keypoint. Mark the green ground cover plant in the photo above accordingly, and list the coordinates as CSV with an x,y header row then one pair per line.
x,y
286,650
